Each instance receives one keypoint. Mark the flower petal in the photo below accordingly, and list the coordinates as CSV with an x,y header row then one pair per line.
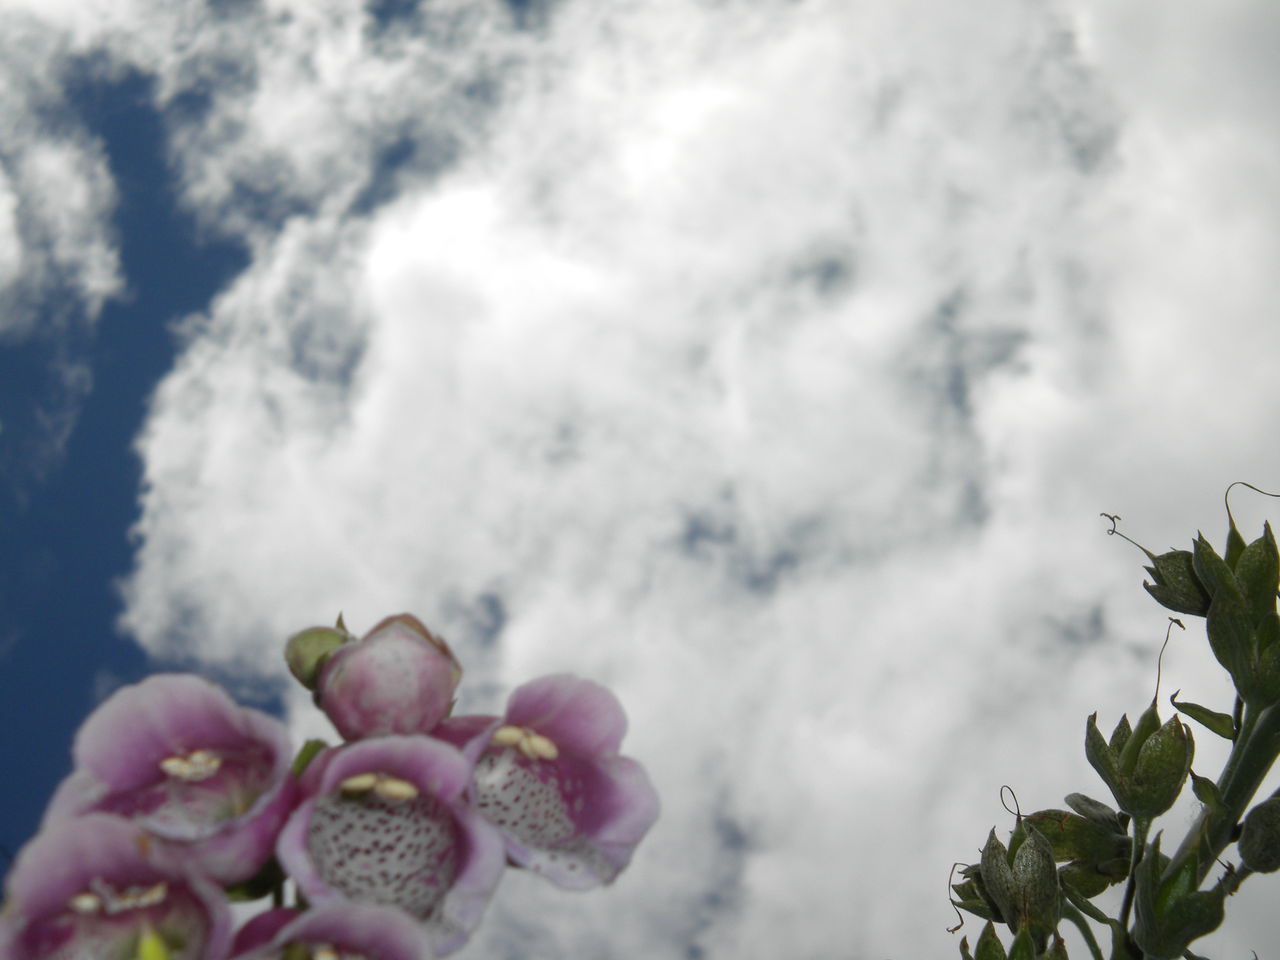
x,y
93,885
576,714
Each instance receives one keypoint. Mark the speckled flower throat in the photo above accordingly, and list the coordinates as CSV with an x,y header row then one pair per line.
x,y
400,851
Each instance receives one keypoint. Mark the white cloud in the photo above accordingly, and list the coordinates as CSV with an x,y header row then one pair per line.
x,y
769,362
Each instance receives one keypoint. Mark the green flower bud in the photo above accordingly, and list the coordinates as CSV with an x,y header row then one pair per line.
x,y
1161,770
1145,770
1025,891
1170,911
1259,844
306,652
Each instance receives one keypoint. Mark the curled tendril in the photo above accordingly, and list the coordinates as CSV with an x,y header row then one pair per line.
x,y
959,916
1016,810
1226,496
1160,659
1115,532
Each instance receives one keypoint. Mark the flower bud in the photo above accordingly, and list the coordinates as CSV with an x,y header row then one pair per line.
x,y
1169,911
306,652
1146,769
1026,890
1260,838
399,679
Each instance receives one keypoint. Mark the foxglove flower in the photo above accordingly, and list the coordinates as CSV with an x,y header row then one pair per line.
x,y
97,888
339,931
386,821
193,768
400,678
549,776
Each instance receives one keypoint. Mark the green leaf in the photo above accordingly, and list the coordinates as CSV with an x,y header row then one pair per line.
x,y
1258,573
306,652
1220,723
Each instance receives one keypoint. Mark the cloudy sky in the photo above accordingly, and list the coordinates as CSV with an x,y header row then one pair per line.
x,y
767,360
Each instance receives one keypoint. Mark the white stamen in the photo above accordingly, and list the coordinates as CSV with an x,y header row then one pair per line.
x,y
85,903
325,952
542,747
389,788
198,765
508,736
360,783
131,898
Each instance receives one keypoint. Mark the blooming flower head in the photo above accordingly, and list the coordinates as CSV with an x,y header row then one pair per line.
x,y
549,777
98,888
399,678
179,757
386,821
338,931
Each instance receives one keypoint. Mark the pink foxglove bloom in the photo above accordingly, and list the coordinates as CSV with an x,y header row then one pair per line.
x,y
548,775
386,821
399,678
343,931
189,765
99,887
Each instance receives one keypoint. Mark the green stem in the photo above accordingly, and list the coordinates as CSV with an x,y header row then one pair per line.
x,y
1252,756
1082,922
1141,825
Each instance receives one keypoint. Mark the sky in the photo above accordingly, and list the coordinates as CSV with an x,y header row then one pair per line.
x,y
769,361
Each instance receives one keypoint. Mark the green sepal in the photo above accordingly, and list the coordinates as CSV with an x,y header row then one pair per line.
x,y
1258,574
1169,911
1120,735
1148,724
1176,585
1235,542
1160,771
1206,792
1057,950
306,753
1088,879
1101,755
1023,946
1035,878
1220,723
989,946
973,896
1210,569
306,652
1074,837
1267,642
997,878
1098,812
1231,637
268,879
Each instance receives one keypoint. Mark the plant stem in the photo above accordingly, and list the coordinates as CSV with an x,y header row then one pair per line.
x,y
1251,758
1141,825
1082,922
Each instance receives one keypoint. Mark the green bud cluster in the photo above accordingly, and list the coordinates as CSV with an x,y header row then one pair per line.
x,y
1058,861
